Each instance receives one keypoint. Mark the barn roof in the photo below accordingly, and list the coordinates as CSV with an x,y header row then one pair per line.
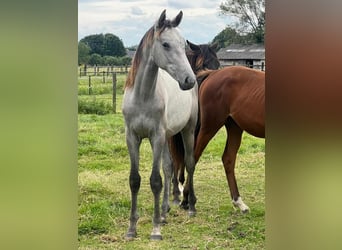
x,y
240,51
130,53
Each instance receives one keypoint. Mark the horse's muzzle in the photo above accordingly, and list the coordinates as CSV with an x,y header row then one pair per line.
x,y
189,83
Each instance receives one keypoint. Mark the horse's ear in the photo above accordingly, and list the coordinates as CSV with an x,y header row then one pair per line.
x,y
176,21
214,46
193,46
161,19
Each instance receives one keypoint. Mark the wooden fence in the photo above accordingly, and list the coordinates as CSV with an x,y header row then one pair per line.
x,y
87,70
104,78
106,72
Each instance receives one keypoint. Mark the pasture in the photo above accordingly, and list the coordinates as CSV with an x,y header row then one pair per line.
x,y
104,194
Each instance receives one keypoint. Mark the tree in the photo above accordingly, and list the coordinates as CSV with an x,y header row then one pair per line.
x,y
113,46
251,14
105,45
95,59
228,36
126,60
110,60
83,53
96,43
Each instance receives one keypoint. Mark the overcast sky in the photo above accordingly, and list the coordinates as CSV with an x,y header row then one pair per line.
x,y
130,19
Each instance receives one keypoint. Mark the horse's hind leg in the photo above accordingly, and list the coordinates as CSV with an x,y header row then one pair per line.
x,y
175,183
175,166
228,158
133,144
189,196
202,140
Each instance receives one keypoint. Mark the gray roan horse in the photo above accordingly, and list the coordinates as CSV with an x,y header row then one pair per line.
x,y
155,107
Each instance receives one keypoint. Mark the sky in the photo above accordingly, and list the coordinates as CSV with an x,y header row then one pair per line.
x,y
130,19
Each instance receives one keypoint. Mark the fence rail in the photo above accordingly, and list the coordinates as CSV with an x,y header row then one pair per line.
x,y
87,70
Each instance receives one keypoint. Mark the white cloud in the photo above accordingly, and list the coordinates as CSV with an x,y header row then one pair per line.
x,y
129,20
137,11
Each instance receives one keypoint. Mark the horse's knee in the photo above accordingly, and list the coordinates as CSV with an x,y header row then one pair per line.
x,y
156,183
134,181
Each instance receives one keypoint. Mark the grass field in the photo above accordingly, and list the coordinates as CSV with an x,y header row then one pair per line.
x,y
104,195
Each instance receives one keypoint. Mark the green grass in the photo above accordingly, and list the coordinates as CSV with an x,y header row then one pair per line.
x,y
99,100
104,195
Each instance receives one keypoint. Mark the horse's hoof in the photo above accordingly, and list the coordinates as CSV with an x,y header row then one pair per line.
x,y
192,213
156,237
163,221
245,211
176,202
184,205
130,235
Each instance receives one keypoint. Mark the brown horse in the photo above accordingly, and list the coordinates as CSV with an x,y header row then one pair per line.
x,y
201,57
233,97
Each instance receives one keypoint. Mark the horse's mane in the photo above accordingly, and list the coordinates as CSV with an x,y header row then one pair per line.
x,y
203,74
196,58
145,41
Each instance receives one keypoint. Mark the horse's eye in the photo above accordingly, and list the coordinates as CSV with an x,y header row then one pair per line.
x,y
166,45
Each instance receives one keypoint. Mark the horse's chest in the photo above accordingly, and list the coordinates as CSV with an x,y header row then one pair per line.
x,y
144,118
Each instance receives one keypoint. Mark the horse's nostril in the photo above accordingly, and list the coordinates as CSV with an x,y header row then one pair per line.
x,y
189,80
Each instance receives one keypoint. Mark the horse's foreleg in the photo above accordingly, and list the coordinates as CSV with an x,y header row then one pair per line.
x,y
228,158
157,143
167,169
133,143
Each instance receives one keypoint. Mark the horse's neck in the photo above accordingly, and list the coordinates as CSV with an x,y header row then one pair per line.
x,y
146,78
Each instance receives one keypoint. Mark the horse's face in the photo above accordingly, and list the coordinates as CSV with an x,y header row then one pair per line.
x,y
203,56
168,52
210,60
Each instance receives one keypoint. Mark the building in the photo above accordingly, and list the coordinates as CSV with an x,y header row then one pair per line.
x,y
130,53
252,56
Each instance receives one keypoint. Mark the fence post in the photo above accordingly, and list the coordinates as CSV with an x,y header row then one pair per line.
x,y
114,92
103,76
89,86
80,71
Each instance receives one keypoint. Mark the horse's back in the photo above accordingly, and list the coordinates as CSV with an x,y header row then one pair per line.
x,y
240,92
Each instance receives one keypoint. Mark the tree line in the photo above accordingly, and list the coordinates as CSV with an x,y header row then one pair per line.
x,y
108,49
102,49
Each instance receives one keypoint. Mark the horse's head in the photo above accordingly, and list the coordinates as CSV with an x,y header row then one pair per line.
x,y
168,51
202,56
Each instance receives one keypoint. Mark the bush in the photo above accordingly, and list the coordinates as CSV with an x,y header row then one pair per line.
x,y
94,106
